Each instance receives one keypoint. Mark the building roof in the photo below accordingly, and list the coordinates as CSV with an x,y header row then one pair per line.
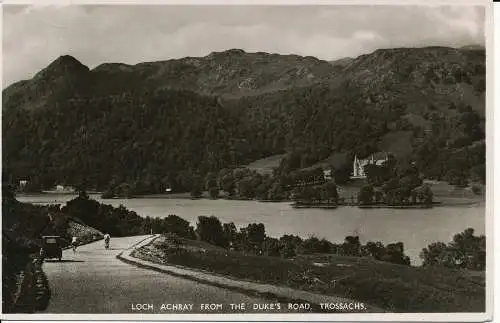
x,y
377,156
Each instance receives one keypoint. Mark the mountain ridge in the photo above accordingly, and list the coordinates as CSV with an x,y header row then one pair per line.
x,y
246,106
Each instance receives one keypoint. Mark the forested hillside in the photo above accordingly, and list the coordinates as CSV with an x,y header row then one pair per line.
x,y
160,124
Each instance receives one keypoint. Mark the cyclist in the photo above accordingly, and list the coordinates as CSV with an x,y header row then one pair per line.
x,y
106,240
74,243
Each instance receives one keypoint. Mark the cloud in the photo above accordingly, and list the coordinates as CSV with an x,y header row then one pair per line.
x,y
34,36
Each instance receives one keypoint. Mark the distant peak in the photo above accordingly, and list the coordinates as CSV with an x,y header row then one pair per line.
x,y
66,60
64,64
233,51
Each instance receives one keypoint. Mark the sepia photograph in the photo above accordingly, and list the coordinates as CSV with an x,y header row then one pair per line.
x,y
245,162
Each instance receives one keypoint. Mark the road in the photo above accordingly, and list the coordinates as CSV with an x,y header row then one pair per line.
x,y
93,280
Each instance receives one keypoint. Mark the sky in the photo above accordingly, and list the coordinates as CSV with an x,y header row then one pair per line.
x,y
34,36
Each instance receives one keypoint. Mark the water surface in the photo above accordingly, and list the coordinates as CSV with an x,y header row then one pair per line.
x,y
416,228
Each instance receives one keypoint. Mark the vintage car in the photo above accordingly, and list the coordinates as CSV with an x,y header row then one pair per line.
x,y
51,247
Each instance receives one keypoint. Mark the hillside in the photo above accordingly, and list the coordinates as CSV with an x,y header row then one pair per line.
x,y
392,287
170,123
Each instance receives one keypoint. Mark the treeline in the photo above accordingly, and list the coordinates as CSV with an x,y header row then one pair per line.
x,y
253,239
465,251
394,183
243,183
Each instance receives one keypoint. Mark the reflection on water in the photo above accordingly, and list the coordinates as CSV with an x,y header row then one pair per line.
x,y
416,228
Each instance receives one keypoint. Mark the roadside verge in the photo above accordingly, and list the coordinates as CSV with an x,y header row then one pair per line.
x,y
282,294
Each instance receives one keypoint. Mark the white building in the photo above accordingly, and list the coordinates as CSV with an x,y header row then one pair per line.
x,y
327,174
358,166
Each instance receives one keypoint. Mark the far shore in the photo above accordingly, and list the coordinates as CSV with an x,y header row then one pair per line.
x,y
441,201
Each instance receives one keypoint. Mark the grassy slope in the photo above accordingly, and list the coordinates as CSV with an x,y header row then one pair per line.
x,y
84,233
265,165
393,287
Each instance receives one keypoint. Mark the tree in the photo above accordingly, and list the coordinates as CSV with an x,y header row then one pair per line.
x,y
315,245
351,246
245,187
256,234
469,249
375,249
124,190
271,247
276,192
395,254
288,245
230,232
209,229
227,183
424,194
373,174
342,175
438,254
329,192
465,251
211,185
196,190
366,194
213,192
174,224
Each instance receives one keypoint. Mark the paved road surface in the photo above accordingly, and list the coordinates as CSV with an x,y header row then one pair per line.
x,y
93,280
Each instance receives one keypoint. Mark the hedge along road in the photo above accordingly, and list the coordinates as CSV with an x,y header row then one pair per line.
x,y
93,280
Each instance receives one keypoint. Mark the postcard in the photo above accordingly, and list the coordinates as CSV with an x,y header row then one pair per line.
x,y
247,161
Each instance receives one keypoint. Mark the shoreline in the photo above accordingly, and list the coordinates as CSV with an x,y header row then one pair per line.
x,y
443,201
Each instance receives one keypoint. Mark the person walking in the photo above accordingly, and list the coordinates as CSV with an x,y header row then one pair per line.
x,y
107,238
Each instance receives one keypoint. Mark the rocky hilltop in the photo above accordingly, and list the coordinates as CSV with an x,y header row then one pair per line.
x,y
231,73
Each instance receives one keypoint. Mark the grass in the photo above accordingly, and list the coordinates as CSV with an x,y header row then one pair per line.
x,y
450,195
265,165
392,287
